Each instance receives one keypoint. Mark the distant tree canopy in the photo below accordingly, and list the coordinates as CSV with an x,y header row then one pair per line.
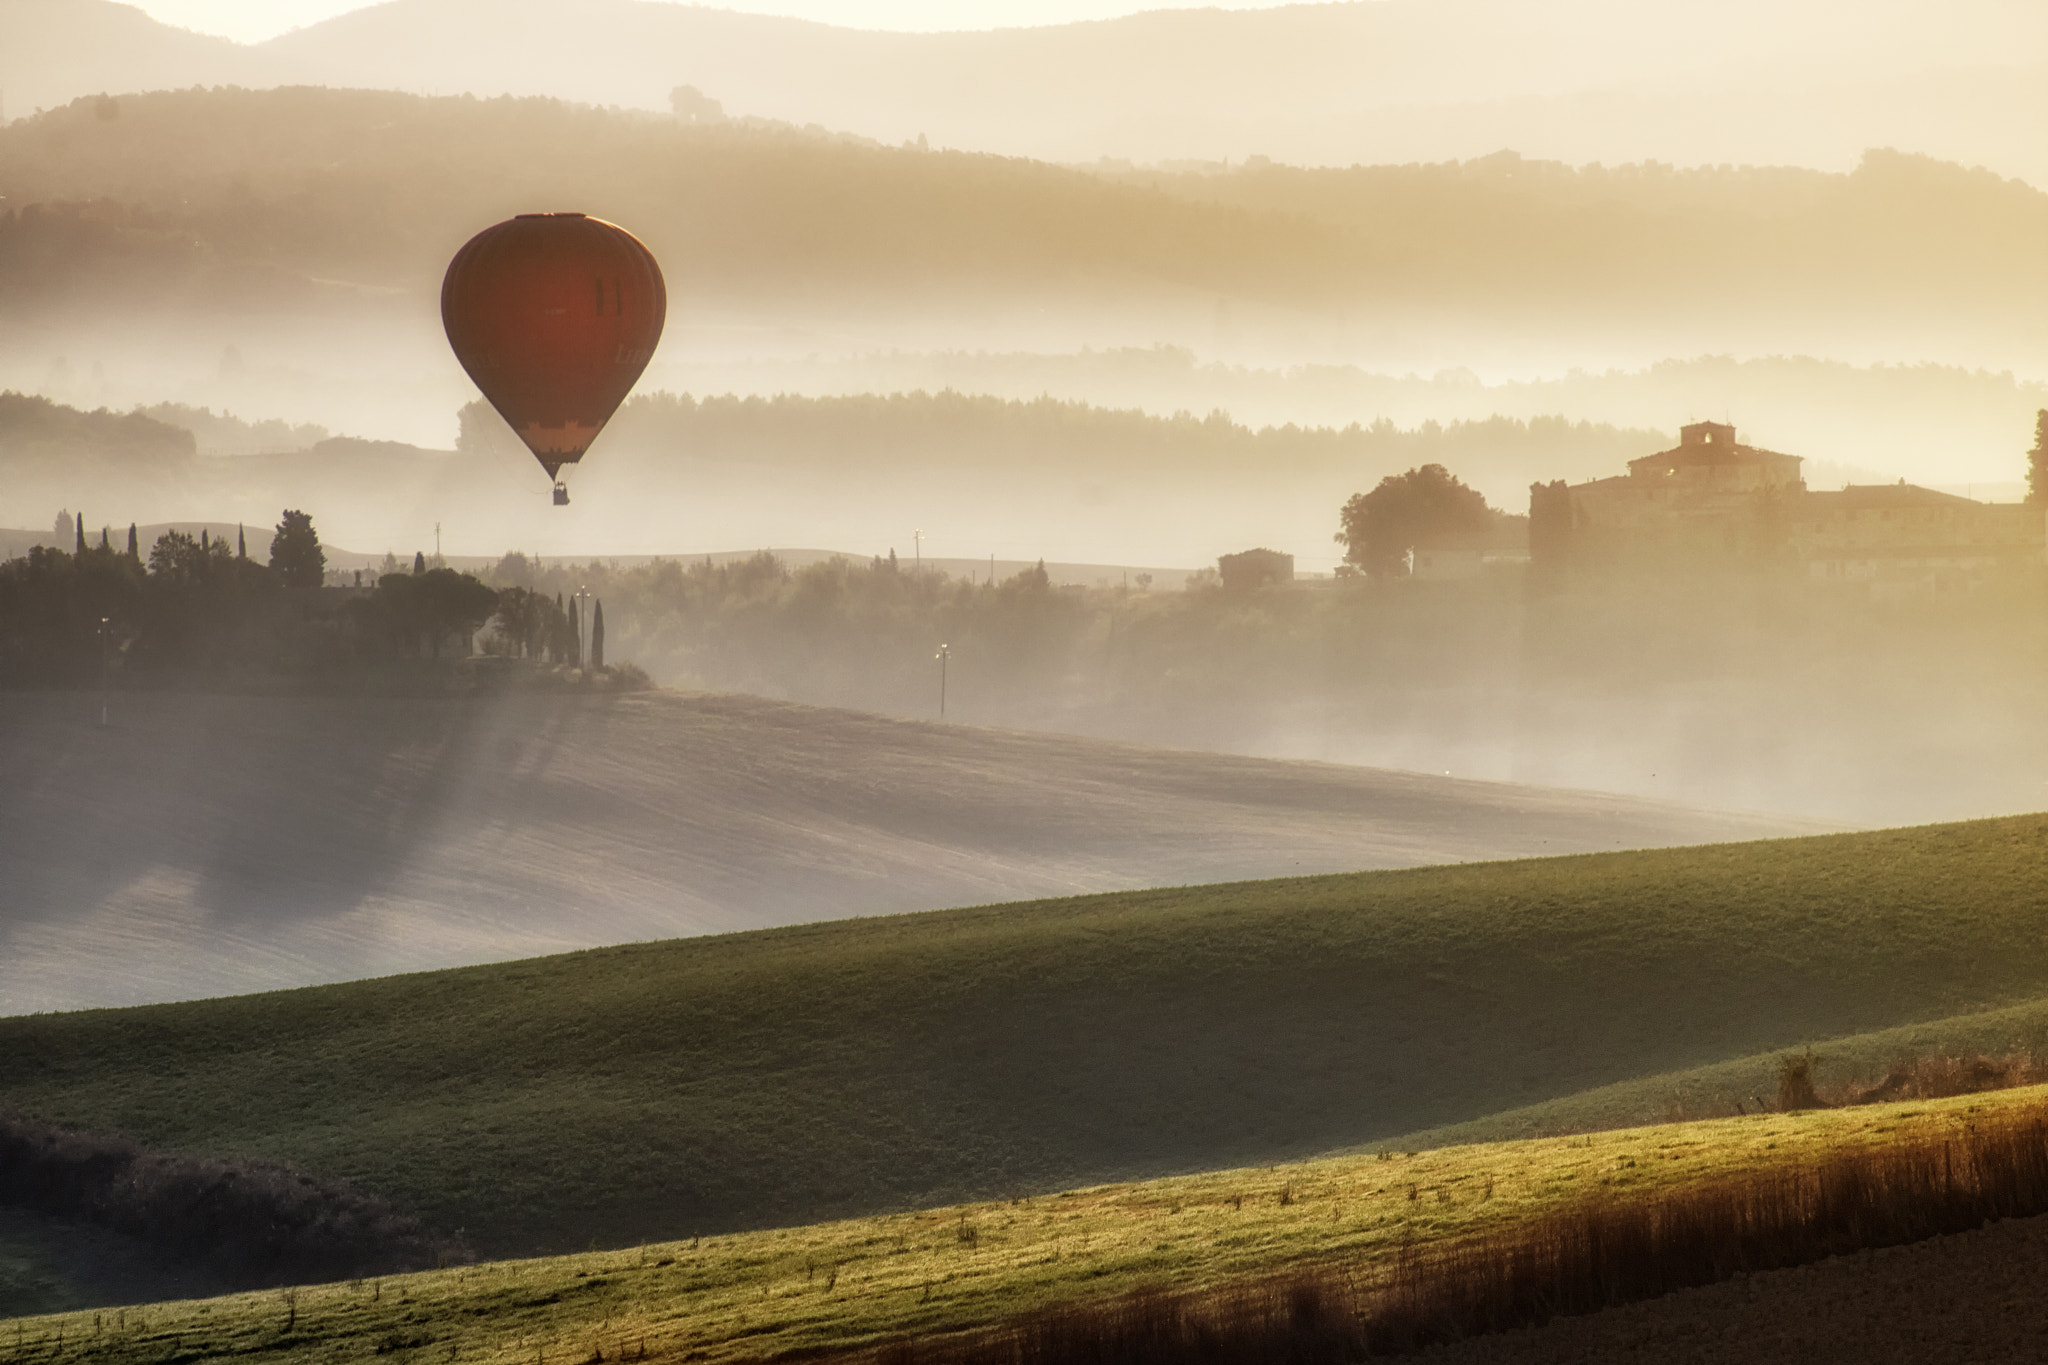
x,y
530,624
2037,460
959,431
224,433
1423,508
187,559
419,613
692,105
34,429
295,554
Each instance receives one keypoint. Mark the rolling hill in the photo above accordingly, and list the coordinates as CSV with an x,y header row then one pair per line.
x,y
836,1291
339,198
1843,1063
208,844
279,252
1323,84
787,1075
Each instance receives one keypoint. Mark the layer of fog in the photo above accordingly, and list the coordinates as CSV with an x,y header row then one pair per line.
x,y
203,845
1943,427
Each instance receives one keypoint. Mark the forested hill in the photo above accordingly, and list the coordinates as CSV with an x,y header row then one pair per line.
x,y
33,430
977,434
229,197
800,470
1758,81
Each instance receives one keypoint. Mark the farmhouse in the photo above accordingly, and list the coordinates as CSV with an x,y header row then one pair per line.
x,y
1711,501
1250,570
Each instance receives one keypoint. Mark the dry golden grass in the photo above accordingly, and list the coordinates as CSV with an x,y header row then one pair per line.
x,y
853,1284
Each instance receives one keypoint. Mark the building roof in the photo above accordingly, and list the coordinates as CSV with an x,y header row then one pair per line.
x,y
1888,496
1692,456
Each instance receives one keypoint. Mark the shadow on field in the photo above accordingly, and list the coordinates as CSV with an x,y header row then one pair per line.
x,y
245,1224
208,844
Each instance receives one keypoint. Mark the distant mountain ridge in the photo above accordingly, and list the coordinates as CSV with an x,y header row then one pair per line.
x,y
1319,84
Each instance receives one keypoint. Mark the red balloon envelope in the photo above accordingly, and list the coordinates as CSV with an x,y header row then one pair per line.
x,y
554,315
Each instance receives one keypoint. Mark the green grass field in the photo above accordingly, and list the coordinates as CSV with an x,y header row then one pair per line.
x,y
787,1076
845,1285
1711,1091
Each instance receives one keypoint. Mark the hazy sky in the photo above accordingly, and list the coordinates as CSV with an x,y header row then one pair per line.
x,y
254,20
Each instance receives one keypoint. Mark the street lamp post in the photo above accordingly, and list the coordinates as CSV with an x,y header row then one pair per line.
x,y
582,596
945,653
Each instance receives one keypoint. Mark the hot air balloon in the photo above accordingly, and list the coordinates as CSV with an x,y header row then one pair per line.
x,y
554,315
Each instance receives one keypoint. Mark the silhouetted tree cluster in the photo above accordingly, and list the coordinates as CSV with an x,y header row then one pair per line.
x,y
532,625
1426,508
52,609
205,606
416,615
253,1222
196,605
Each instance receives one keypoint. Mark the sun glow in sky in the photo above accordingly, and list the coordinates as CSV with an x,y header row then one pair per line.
x,y
252,21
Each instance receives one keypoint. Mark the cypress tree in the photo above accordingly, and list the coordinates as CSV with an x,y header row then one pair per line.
x,y
134,546
79,527
241,542
104,544
419,561
575,636
597,636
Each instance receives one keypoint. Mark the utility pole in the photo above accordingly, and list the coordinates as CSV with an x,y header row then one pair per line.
x,y
437,544
917,539
945,653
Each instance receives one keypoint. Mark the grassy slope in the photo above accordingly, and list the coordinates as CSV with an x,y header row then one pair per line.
x,y
209,845
1698,1092
846,1284
836,1069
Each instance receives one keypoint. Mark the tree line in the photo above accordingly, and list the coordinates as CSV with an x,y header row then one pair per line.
x,y
198,606
239,196
980,434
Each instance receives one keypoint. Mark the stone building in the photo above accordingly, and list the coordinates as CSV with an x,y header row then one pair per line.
x,y
1903,540
1251,569
1711,501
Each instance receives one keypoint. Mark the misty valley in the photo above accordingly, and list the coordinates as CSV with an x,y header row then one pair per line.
x,y
1292,683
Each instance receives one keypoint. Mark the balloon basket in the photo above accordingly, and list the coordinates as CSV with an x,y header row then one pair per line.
x,y
561,494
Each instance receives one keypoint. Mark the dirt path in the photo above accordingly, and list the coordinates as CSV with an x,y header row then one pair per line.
x,y
204,845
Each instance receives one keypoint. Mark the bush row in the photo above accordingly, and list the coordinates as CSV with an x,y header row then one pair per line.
x,y
255,1223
